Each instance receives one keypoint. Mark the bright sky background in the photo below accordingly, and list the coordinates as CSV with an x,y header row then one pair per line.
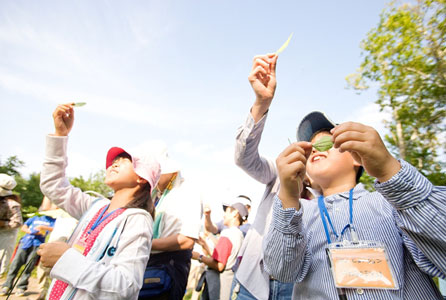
x,y
175,71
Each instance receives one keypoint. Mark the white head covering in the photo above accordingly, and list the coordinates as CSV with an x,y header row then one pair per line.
x,y
158,149
7,183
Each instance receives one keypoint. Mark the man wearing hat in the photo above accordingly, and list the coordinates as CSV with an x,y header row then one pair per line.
x,y
216,228
10,219
176,228
225,252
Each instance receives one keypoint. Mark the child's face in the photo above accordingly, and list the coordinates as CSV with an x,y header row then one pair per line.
x,y
329,166
121,174
229,216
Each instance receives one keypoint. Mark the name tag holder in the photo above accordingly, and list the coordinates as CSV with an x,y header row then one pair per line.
x,y
362,264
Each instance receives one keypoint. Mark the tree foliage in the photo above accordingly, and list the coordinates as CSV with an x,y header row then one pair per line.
x,y
405,55
29,188
94,183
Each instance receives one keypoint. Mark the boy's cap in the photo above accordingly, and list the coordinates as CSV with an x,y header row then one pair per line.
x,y
7,183
242,210
312,123
144,164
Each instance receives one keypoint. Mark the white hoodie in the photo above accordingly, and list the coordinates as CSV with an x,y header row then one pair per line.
x,y
114,267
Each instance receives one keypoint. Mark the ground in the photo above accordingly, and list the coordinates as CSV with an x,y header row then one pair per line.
x,y
31,294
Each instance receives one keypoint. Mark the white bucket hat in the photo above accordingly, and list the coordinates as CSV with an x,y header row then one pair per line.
x,y
7,183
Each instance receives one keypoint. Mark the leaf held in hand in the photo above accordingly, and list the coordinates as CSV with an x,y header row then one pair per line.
x,y
284,44
79,104
323,144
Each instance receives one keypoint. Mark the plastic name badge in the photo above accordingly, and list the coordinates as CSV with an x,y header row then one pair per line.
x,y
361,265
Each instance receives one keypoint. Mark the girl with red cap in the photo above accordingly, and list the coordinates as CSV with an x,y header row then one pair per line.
x,y
108,251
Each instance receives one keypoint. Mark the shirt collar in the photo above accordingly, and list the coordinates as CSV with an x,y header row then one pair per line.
x,y
358,192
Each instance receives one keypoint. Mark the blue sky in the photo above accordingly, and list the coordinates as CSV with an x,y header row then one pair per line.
x,y
175,71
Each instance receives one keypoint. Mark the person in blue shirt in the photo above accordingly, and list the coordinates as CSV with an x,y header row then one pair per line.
x,y
36,229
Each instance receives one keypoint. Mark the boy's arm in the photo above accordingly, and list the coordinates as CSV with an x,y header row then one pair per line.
x,y
208,224
420,206
263,81
209,261
286,256
420,212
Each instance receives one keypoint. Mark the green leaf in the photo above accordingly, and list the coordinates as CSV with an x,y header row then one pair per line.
x,y
323,144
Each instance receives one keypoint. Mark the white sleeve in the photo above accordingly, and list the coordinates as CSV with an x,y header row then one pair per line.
x,y
55,185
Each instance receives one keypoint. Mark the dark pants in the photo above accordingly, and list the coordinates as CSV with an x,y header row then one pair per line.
x,y
178,267
211,289
22,257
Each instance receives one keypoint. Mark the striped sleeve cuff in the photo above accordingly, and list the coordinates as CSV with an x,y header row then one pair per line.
x,y
287,221
406,188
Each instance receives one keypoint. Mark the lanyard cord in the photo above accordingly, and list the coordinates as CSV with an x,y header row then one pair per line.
x,y
325,216
100,219
166,190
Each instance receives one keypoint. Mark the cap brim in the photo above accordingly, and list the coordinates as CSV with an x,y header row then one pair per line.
x,y
312,123
111,155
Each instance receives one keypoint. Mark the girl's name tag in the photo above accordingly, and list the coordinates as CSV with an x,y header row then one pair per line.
x,y
80,245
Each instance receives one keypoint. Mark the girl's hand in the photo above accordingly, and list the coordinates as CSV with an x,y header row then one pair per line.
x,y
63,119
51,252
367,148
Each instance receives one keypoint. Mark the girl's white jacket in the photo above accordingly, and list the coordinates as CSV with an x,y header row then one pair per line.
x,y
114,267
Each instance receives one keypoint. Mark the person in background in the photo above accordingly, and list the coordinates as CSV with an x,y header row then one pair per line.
x,y
216,228
63,227
10,220
225,253
250,280
36,229
176,228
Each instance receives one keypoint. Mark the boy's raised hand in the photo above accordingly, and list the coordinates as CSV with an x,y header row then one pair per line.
x,y
263,81
63,119
367,148
291,167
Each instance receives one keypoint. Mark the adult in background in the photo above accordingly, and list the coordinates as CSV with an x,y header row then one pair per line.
x,y
176,228
10,219
36,229
216,228
250,280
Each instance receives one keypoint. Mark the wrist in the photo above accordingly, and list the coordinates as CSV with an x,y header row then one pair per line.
x,y
289,200
391,169
200,258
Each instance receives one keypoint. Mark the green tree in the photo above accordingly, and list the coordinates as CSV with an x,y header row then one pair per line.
x,y
29,190
405,56
11,166
95,183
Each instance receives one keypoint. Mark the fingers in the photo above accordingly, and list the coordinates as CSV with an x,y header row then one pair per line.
x,y
351,136
63,110
303,148
267,64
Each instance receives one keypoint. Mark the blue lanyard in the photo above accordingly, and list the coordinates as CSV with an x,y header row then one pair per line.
x,y
100,219
324,215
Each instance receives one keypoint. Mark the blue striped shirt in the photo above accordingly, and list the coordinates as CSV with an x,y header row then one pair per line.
x,y
406,213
